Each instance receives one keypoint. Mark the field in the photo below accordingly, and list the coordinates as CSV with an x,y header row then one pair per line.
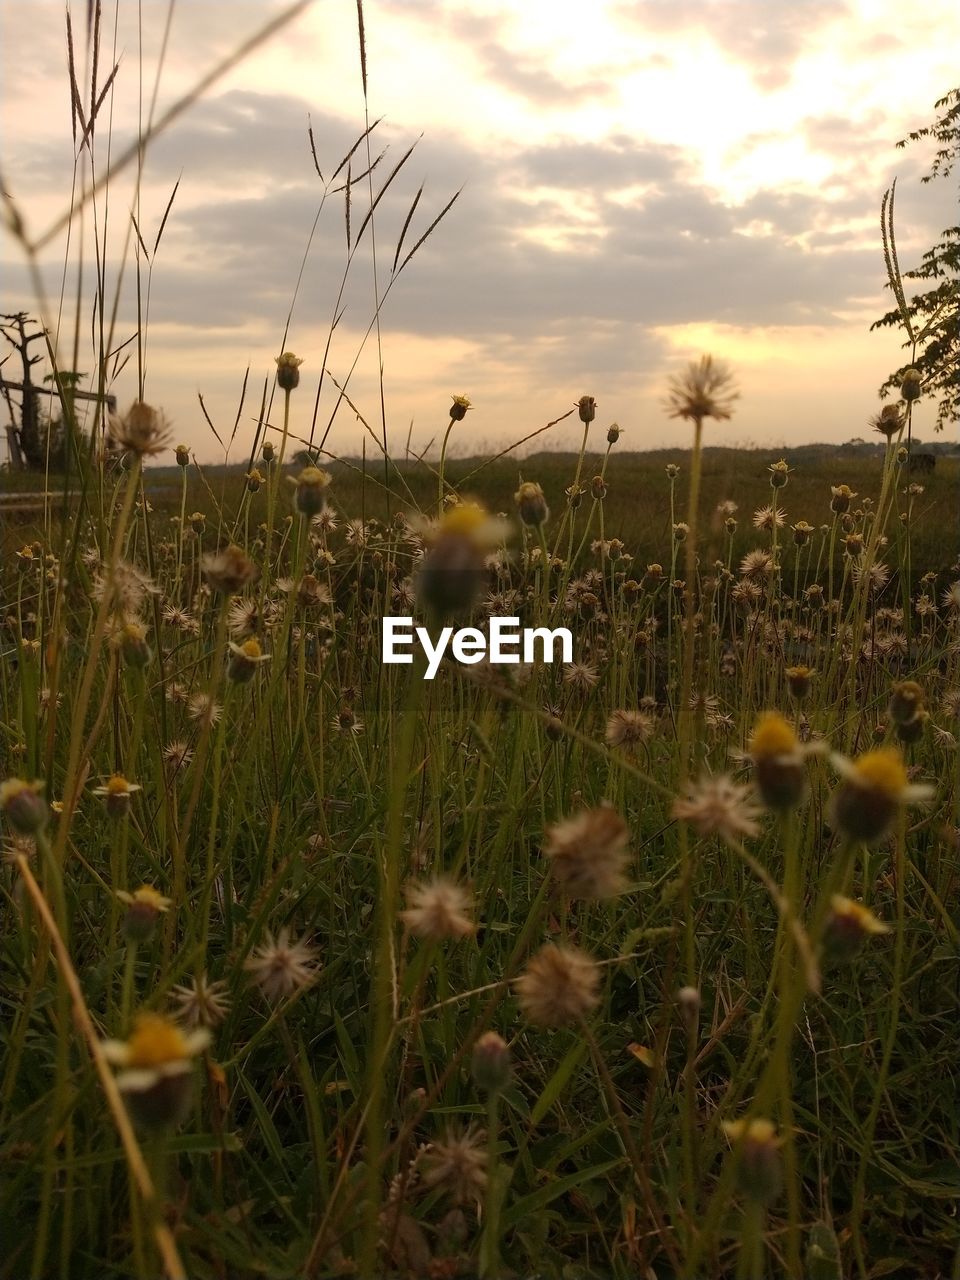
x,y
341,878
638,964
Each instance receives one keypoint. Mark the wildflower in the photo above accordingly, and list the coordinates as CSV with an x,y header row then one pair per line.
x,y
244,660
116,793
201,1003
203,708
531,504
457,1165
228,571
131,640
490,1063
672,470
777,762
841,497
799,680
438,909
183,455
311,487
268,451
757,566
768,518
906,701
704,390
629,729
779,473
587,408
244,618
652,578
614,433
347,722
254,481
598,488
848,926
23,806
176,756
588,853
872,790
719,806
802,533
889,421
574,494
280,967
458,410
288,371
560,986
853,544
156,1066
141,430
197,522
582,675
951,598
450,575
180,618
757,1149
911,384
144,908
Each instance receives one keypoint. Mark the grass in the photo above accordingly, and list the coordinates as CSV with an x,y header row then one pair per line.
x,y
247,1033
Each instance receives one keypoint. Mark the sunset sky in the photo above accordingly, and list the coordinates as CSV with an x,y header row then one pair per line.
x,y
642,182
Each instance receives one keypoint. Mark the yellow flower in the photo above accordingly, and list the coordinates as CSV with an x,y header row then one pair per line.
x,y
145,896
848,926
757,1148
156,1062
116,793
872,790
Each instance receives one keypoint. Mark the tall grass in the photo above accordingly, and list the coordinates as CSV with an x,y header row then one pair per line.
x,y
266,898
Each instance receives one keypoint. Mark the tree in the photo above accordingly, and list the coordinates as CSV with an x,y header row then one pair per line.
x,y
931,320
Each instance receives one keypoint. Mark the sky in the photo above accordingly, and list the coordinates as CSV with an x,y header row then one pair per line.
x,y
641,181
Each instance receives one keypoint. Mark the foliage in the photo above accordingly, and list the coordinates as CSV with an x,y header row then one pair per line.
x,y
932,317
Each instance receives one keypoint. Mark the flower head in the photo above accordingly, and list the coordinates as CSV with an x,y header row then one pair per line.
x,y
848,926
228,571
156,1063
116,793
457,1165
141,430
778,761
872,791
244,660
201,1003
758,1150
144,908
459,407
23,806
288,371
588,853
704,390
531,504
719,806
560,985
438,909
280,967
629,729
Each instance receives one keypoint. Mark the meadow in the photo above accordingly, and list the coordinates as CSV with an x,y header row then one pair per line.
x,y
639,965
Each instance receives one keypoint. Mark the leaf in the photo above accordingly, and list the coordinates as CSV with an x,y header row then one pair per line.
x,y
539,1199
558,1081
